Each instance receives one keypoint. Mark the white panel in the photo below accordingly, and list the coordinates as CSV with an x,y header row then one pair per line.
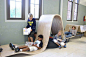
x,y
83,2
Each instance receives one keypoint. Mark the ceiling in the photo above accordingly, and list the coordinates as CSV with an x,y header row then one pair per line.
x,y
83,2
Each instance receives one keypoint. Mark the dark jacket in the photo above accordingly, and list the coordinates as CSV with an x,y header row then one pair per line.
x,y
32,24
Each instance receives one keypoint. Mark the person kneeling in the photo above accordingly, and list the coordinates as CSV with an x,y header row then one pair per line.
x,y
37,45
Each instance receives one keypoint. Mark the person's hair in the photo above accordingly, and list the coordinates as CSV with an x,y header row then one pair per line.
x,y
29,15
74,27
59,31
40,36
62,34
35,33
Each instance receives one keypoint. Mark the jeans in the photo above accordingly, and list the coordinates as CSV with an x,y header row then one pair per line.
x,y
68,34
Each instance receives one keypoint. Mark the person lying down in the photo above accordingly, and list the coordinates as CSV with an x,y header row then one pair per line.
x,y
35,46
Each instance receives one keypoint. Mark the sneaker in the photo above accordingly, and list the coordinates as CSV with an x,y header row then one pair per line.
x,y
59,47
64,46
17,49
1,49
12,46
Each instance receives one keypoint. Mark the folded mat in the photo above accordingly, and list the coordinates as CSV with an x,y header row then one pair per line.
x,y
47,23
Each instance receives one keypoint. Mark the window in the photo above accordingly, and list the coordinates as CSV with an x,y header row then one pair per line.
x,y
76,10
35,7
69,12
19,9
15,9
72,14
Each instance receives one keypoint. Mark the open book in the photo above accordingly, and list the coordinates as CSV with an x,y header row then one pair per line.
x,y
26,31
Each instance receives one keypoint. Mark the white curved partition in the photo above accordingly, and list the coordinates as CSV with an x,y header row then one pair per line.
x,y
48,23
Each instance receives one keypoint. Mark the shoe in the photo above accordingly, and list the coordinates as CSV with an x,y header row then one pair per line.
x,y
1,49
59,47
17,49
12,46
64,46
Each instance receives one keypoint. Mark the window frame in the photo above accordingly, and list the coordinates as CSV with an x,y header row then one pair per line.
x,y
8,11
71,10
77,11
40,8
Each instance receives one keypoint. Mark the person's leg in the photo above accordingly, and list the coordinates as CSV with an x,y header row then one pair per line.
x,y
66,32
55,41
21,47
31,35
11,46
57,44
31,38
65,45
25,49
69,35
31,48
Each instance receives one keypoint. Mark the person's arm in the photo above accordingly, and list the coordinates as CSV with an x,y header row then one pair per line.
x,y
64,40
38,47
55,39
34,25
60,40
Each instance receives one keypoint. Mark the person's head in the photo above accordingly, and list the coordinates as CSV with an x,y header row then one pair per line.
x,y
30,16
59,33
35,34
40,37
73,27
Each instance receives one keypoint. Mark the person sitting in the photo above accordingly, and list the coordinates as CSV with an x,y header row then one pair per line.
x,y
38,44
71,32
58,39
